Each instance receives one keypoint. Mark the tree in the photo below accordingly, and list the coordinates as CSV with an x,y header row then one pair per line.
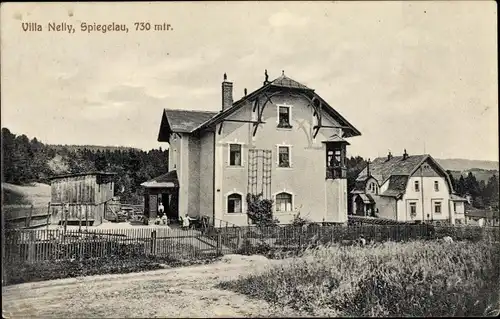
x,y
452,180
461,187
491,192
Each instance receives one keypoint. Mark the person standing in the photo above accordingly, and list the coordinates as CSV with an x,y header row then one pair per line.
x,y
185,222
161,209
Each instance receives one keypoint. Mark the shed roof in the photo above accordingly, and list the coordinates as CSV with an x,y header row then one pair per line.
x,y
456,198
482,213
82,174
168,180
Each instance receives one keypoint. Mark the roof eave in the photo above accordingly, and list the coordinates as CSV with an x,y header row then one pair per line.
x,y
165,130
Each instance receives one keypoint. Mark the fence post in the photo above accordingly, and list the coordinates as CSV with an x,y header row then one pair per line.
x,y
48,215
238,242
153,242
28,219
31,247
219,240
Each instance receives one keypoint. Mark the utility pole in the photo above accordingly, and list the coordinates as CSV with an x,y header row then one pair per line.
x,y
422,192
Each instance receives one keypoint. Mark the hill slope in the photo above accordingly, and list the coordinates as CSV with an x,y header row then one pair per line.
x,y
460,164
37,194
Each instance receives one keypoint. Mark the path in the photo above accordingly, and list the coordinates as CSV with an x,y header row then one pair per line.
x,y
174,292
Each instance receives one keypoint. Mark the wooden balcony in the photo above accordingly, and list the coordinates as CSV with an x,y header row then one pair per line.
x,y
336,172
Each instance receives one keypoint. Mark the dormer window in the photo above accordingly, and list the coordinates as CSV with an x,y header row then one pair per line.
x,y
284,116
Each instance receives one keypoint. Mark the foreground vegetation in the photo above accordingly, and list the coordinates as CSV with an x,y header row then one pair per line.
x,y
390,279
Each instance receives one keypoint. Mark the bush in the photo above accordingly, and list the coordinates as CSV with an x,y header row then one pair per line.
x,y
419,278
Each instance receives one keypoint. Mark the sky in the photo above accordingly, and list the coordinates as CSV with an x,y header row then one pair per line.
x,y
415,75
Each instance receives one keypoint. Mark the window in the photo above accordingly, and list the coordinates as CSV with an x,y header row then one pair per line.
x,y
335,160
436,186
234,154
284,116
283,156
454,207
437,208
234,203
283,202
417,186
413,209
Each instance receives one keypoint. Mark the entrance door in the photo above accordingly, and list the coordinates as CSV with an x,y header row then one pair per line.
x,y
360,206
153,206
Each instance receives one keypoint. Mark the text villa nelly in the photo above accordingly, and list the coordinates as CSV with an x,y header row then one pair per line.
x,y
70,28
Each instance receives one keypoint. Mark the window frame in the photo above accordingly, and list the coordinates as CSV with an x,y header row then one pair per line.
x,y
416,186
229,154
436,186
290,161
413,204
242,203
440,205
289,107
275,205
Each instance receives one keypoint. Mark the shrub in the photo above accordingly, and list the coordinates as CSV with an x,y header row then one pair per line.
x,y
260,210
417,278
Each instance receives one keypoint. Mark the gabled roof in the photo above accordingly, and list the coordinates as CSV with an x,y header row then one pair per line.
x,y
184,121
286,82
381,168
163,181
397,186
208,119
398,170
335,138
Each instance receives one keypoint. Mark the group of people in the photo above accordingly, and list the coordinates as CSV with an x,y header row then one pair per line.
x,y
186,220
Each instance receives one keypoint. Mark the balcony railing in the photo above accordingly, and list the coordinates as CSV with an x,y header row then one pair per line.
x,y
336,172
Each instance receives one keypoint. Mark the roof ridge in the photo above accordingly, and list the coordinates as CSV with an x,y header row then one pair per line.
x,y
190,110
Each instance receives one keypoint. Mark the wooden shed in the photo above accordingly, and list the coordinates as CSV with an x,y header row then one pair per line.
x,y
80,198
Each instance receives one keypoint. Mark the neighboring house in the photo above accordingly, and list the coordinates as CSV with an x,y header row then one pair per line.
x,y
81,197
282,139
481,217
407,188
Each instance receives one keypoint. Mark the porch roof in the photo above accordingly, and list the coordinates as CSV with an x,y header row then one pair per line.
x,y
367,199
168,180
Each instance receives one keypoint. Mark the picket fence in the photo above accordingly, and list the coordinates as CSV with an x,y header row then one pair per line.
x,y
32,246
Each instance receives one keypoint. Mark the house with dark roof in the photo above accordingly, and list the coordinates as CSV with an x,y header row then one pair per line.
x,y
407,188
282,140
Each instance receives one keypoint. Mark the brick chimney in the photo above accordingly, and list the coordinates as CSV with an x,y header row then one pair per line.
x,y
389,156
405,155
368,168
227,93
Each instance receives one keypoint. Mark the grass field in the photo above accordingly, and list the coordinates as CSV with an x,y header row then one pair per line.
x,y
390,279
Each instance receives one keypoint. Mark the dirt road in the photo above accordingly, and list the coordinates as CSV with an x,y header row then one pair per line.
x,y
175,292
